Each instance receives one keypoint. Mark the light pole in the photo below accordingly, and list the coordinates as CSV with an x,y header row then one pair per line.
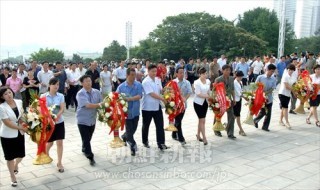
x,y
244,51
197,52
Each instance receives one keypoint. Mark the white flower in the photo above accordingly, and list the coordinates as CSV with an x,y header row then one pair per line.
x,y
216,105
34,124
172,104
249,97
36,100
125,109
30,117
107,115
122,102
106,104
110,95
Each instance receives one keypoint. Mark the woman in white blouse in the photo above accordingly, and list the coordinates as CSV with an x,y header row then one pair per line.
x,y
11,132
238,94
200,102
315,103
285,94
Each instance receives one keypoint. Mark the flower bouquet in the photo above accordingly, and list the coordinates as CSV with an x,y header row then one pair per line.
x,y
40,124
256,100
219,103
304,89
174,103
113,111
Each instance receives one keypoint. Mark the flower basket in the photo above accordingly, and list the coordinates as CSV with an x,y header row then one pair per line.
x,y
113,112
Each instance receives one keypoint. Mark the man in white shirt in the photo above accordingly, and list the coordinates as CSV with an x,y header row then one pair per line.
x,y
256,68
73,78
44,76
151,108
22,74
81,70
222,61
121,74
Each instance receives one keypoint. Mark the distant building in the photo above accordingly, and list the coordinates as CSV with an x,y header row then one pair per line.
x,y
290,10
310,19
304,15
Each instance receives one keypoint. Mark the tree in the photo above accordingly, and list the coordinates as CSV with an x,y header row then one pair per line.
x,y
196,35
50,55
76,58
114,52
88,60
265,25
306,44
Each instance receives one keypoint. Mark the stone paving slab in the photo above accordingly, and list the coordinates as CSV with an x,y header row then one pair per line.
x,y
280,159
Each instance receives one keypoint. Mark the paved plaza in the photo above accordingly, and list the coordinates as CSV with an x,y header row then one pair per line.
x,y
279,159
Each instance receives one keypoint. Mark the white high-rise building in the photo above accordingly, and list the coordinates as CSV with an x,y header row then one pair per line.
x,y
290,10
304,15
309,11
128,38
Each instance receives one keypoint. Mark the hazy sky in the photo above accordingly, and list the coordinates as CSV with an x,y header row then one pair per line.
x,y
89,26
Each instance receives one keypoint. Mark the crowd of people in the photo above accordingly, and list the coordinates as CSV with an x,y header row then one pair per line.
x,y
73,84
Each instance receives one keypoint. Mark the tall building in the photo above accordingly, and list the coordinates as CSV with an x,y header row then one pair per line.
x,y
310,18
304,15
128,37
290,10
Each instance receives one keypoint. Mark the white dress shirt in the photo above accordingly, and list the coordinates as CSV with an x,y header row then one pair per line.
x,y
200,88
149,85
237,90
73,76
21,76
315,80
44,78
121,73
257,67
82,72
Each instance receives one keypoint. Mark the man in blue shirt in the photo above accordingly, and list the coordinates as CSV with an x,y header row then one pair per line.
x,y
269,85
186,92
244,67
89,99
133,91
190,71
281,66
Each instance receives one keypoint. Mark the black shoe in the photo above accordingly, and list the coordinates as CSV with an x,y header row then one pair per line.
x,y
176,139
146,145
266,129
232,137
199,139
163,147
124,139
92,162
218,133
256,125
133,152
292,112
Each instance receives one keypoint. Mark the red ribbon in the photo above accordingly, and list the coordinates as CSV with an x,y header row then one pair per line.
x,y
45,121
161,72
221,98
259,99
117,113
